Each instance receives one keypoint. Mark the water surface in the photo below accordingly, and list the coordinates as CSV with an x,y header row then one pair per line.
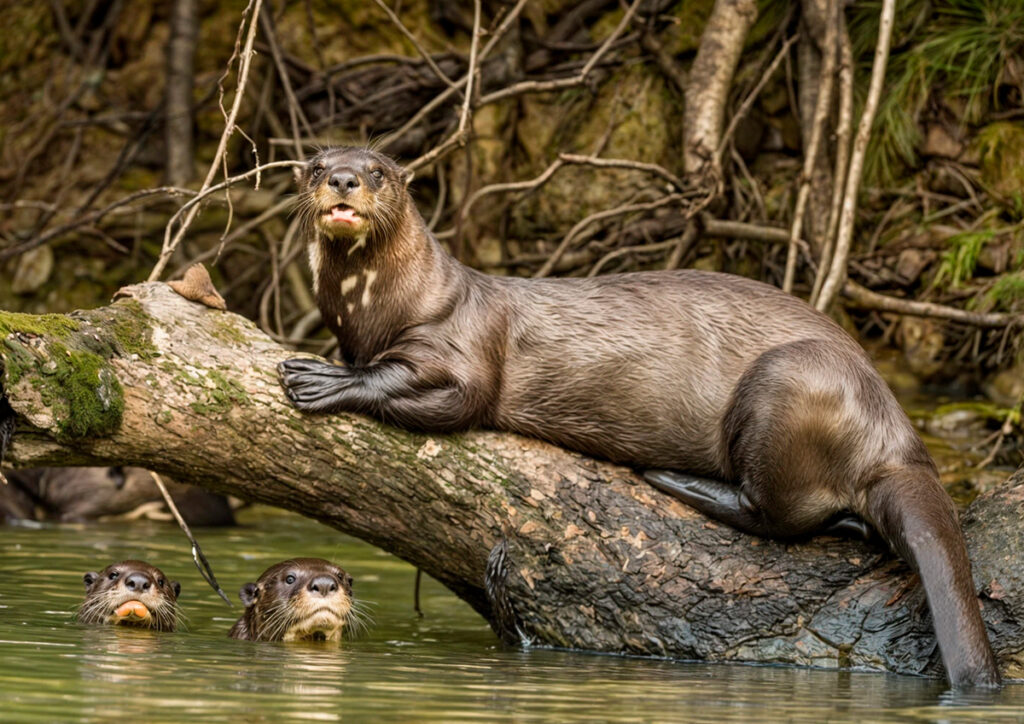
x,y
444,667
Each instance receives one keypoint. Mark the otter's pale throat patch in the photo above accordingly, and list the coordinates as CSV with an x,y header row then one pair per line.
x,y
349,283
315,261
360,243
371,277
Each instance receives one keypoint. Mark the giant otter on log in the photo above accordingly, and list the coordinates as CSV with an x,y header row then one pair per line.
x,y
674,372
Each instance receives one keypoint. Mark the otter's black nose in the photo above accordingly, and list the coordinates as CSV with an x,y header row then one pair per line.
x,y
137,582
323,585
344,181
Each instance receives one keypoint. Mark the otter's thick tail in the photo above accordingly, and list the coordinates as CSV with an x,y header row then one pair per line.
x,y
916,517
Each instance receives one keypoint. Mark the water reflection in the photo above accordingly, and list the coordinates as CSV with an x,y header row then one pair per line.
x,y
446,667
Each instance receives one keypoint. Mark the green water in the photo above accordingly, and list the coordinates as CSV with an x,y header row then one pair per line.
x,y
444,667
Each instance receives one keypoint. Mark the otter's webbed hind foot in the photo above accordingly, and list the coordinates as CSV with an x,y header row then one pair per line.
x,y
313,385
728,504
851,525
716,499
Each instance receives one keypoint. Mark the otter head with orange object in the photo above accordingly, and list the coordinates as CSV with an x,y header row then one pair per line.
x,y
131,593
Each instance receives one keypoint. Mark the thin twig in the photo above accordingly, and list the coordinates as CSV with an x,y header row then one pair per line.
x,y
864,298
652,168
442,198
537,86
252,12
442,97
529,185
295,113
622,251
744,108
843,130
91,218
471,74
442,76
197,553
549,265
190,206
821,109
844,239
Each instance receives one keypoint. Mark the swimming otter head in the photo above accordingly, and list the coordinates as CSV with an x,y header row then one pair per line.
x,y
130,593
352,192
302,599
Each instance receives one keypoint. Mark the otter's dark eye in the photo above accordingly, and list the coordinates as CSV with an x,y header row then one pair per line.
x,y
317,170
289,579
160,582
377,174
114,575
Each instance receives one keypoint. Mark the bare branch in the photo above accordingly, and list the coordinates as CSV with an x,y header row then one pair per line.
x,y
864,298
170,244
442,76
709,81
837,271
821,110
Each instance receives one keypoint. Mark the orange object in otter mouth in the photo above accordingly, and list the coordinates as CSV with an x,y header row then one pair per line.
x,y
133,611
344,214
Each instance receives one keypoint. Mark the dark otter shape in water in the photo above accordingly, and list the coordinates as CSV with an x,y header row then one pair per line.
x,y
302,599
130,593
682,373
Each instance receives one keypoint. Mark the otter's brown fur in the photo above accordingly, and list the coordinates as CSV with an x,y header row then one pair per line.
x,y
131,593
301,599
685,371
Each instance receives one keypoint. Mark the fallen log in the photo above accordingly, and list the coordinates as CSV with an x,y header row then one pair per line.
x,y
551,547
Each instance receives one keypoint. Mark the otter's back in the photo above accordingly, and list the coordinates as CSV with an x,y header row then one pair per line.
x,y
640,367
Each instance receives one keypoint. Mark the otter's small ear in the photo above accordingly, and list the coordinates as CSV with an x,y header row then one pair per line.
x,y
249,593
89,578
176,587
298,172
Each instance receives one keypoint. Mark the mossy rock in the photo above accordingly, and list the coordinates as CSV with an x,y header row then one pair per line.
x,y
645,117
1001,148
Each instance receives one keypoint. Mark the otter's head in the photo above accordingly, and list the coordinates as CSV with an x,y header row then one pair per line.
x,y
302,599
130,593
352,192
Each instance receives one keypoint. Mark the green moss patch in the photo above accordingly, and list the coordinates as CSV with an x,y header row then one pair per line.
x,y
1002,160
226,332
133,331
83,392
224,395
53,325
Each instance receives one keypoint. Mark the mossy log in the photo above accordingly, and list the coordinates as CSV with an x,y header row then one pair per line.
x,y
577,553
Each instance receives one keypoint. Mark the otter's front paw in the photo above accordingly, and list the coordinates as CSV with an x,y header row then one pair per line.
x,y
312,385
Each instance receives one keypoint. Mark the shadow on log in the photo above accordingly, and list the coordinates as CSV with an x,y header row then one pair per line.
x,y
576,553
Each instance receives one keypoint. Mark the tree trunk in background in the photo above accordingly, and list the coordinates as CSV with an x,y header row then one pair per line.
x,y
548,545
181,52
813,31
709,81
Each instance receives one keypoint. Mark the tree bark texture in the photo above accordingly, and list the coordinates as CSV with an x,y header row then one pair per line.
x,y
551,547
710,79
813,44
181,53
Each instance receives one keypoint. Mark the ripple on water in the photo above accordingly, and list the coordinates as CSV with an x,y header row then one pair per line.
x,y
445,667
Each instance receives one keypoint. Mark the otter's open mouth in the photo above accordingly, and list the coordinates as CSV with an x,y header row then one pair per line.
x,y
342,213
131,611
